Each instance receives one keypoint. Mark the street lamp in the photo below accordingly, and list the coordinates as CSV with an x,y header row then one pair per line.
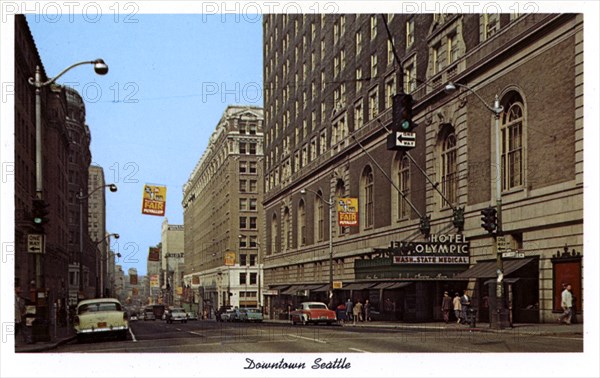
x,y
496,109
102,259
101,69
80,198
330,204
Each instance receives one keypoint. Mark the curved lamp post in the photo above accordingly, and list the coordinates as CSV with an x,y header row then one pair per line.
x,y
80,198
101,69
102,259
496,109
330,204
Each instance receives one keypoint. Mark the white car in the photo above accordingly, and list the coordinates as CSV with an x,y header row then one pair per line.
x,y
176,314
100,317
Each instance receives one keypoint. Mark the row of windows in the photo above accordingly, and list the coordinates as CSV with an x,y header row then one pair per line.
x,y
512,162
244,279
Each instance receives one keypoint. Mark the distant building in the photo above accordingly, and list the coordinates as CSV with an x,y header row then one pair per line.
x,y
222,211
172,256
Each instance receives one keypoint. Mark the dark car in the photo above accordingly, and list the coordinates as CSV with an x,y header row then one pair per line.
x,y
222,310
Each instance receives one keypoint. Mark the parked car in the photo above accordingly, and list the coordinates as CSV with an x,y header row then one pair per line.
x,y
192,316
176,314
133,316
250,315
313,312
221,311
231,315
100,317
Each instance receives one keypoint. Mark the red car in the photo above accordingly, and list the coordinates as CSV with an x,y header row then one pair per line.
x,y
313,312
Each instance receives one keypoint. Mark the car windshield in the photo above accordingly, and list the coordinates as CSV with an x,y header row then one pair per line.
x,y
317,306
97,307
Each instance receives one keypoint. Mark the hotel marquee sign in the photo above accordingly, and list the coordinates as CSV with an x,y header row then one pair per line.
x,y
439,249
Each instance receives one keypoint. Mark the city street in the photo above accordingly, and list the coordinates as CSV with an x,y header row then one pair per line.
x,y
213,337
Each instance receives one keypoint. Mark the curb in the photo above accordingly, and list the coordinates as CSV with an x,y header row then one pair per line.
x,y
43,347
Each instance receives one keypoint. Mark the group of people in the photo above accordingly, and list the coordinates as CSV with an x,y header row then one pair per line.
x,y
460,305
351,311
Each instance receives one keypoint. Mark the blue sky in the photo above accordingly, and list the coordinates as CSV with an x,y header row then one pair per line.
x,y
170,79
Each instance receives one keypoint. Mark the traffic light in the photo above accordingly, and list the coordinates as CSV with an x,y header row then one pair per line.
x,y
402,113
458,218
39,213
424,225
489,219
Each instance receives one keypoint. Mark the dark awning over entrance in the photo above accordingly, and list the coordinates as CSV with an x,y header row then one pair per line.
x,y
358,286
487,269
292,290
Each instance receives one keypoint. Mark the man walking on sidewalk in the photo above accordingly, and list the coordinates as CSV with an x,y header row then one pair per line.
x,y
567,305
446,306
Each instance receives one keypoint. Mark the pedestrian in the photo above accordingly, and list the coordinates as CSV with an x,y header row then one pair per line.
x,y
349,308
341,313
446,306
465,304
457,307
567,304
367,311
357,312
19,312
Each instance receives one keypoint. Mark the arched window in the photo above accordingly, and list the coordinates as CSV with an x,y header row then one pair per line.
x,y
404,186
367,196
274,233
340,191
320,216
301,223
512,141
285,245
449,170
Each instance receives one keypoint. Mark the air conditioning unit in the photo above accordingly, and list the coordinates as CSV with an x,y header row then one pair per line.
x,y
302,293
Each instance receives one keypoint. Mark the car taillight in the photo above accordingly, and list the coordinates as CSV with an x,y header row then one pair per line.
x,y
76,320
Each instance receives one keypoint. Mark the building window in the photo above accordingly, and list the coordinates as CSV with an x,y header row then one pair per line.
x,y
274,234
253,204
358,42
410,77
243,204
373,66
242,278
252,167
410,33
373,103
368,196
491,24
358,79
252,257
252,149
301,223
340,192
243,167
438,61
390,52
373,27
358,115
449,168
390,91
320,216
243,243
253,278
452,47
253,223
286,230
404,186
243,259
253,243
243,222
243,186
242,148
512,143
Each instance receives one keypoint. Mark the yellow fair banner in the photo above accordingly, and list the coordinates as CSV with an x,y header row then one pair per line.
x,y
229,258
179,290
154,280
154,200
347,209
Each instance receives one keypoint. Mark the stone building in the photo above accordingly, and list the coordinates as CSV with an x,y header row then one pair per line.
x,y
329,85
172,256
222,207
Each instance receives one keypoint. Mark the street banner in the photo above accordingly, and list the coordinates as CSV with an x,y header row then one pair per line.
x,y
347,209
229,258
154,201
179,290
153,254
133,279
154,280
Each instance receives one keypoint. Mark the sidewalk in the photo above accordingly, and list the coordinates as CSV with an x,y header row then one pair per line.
x,y
537,329
58,336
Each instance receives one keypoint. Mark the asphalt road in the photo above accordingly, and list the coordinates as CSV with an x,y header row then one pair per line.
x,y
211,337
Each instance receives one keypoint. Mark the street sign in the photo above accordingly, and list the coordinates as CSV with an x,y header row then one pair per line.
x,y
513,254
401,140
35,243
502,244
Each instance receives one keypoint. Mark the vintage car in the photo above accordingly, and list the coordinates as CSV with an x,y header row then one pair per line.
x,y
176,314
313,312
100,317
192,316
230,315
222,310
149,314
250,315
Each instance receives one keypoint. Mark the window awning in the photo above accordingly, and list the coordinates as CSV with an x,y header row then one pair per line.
x,y
383,285
398,285
322,288
279,287
292,290
358,286
487,269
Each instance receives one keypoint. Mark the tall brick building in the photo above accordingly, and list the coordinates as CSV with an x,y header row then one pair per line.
x,y
329,84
